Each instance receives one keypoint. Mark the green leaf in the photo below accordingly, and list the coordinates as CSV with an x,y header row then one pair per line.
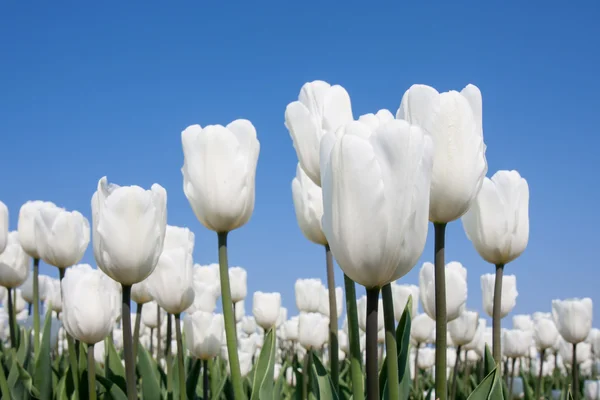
x,y
490,388
149,374
322,380
43,364
4,389
113,390
526,388
262,384
192,379
115,371
489,364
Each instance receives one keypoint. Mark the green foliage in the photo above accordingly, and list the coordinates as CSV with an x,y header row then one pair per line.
x,y
262,384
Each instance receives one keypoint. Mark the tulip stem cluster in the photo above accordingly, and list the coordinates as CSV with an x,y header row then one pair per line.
x,y
128,344
372,366
333,321
36,307
234,362
391,347
355,353
440,311
91,372
497,315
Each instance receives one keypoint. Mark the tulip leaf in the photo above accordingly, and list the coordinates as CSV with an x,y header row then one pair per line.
x,y
490,388
4,389
192,379
43,364
528,392
262,384
148,372
115,371
113,390
488,361
322,380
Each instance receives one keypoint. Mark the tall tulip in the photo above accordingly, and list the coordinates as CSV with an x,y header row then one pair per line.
x,y
26,228
573,319
129,225
454,120
462,331
308,204
376,204
313,329
14,269
308,295
545,336
266,308
3,226
218,180
498,226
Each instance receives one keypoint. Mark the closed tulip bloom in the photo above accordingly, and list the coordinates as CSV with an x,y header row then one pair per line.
x,y
20,305
245,363
238,283
3,226
478,342
171,283
239,310
400,294
218,173
591,389
454,121
14,263
26,226
523,322
313,330
130,224
54,295
509,294
361,306
208,275
376,199
61,236
248,325
291,327
515,343
308,294
265,308
203,334
324,303
463,329
594,340
139,292
27,287
321,108
308,203
573,318
498,221
456,297
205,297
150,315
565,350
88,313
422,329
426,358
545,333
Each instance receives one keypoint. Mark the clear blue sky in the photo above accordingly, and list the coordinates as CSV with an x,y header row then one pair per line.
x,y
89,89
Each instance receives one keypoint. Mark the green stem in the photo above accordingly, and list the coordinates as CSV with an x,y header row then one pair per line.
x,y
416,380
91,367
136,330
205,383
36,307
455,373
128,344
11,320
391,347
234,363
538,384
575,370
158,338
354,338
333,321
72,347
371,344
306,374
441,388
169,358
496,315
182,394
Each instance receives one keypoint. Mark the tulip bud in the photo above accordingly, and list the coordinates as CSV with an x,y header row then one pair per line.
x,y
54,295
426,358
3,226
509,294
313,330
573,318
376,198
238,283
88,313
308,295
422,328
453,120
523,322
150,315
203,334
266,307
26,226
139,292
594,339
205,297
320,108
14,263
478,342
248,325
171,282
565,350
208,275
61,237
456,298
308,203
462,330
129,224
245,364
361,306
545,333
591,389
400,295
515,343
218,173
239,310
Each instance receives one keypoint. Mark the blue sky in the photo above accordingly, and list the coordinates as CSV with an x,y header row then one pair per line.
x,y
92,89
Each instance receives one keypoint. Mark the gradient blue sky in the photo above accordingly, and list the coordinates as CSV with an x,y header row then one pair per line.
x,y
89,89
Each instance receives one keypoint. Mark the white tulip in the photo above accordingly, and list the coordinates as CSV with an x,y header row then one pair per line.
x,y
324,302
516,343
248,325
14,263
208,275
129,230
456,297
3,226
523,322
239,310
54,295
150,315
313,330
26,225
203,334
308,295
139,292
266,308
509,294
218,173
573,318
565,350
291,328
308,204
426,358
400,295
361,306
422,328
545,333
591,390
463,329
238,283
245,363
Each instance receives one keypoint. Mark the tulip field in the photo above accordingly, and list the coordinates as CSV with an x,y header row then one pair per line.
x,y
146,322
